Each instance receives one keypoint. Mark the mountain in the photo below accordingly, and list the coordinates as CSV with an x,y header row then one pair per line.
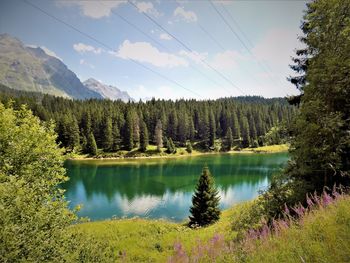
x,y
32,69
107,91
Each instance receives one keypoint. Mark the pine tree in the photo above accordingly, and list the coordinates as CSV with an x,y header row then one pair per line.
x,y
170,147
212,129
91,147
189,148
128,132
116,138
158,134
191,130
107,134
245,132
172,125
143,137
205,201
228,142
182,129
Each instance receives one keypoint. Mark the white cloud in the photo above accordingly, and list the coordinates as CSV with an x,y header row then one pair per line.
x,y
277,46
93,9
82,48
47,51
188,16
148,8
226,60
145,52
165,36
195,56
84,62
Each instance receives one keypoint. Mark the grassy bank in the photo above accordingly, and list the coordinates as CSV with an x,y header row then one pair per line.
x,y
321,236
153,240
152,152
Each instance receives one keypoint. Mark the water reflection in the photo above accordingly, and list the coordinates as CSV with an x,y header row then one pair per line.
x,y
163,188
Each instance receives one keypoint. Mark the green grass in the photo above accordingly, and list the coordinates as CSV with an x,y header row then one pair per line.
x,y
152,152
269,148
153,240
323,236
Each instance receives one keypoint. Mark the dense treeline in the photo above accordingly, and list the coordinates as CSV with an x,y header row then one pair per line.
x,y
320,143
114,125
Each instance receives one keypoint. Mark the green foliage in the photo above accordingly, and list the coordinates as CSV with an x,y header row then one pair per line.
x,y
117,125
189,148
68,131
321,148
170,147
90,147
212,129
107,133
205,201
276,135
159,135
228,142
34,218
129,132
143,137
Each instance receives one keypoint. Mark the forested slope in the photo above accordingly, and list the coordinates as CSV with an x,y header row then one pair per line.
x,y
116,125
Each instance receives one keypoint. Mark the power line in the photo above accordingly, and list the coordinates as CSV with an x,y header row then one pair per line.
x,y
187,47
107,46
158,43
223,49
239,38
267,67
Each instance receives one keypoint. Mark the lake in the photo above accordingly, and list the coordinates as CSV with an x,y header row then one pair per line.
x,y
162,188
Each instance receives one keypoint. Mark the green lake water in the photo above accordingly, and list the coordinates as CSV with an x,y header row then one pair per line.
x,y
162,188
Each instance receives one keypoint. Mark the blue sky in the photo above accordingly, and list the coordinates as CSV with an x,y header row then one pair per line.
x,y
211,62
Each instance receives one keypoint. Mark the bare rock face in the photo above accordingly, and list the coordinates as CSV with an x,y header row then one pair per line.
x,y
32,69
107,91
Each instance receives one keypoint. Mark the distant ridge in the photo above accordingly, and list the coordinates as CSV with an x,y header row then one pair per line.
x,y
107,91
30,68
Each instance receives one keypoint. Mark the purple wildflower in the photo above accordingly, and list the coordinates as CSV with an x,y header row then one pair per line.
x,y
309,201
286,209
326,199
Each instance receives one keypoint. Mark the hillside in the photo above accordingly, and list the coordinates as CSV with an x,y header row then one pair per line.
x,y
322,236
30,68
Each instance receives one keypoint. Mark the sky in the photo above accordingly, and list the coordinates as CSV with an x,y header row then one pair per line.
x,y
166,49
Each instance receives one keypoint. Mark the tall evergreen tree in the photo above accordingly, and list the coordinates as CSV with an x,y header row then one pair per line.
x,y
205,201
236,130
144,140
106,133
158,134
91,147
182,129
320,149
228,142
128,139
191,130
212,129
116,137
245,132
172,125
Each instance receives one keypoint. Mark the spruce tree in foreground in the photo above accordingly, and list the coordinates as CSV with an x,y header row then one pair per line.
x,y
205,201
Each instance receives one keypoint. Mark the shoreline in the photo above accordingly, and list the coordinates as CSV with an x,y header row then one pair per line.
x,y
259,150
